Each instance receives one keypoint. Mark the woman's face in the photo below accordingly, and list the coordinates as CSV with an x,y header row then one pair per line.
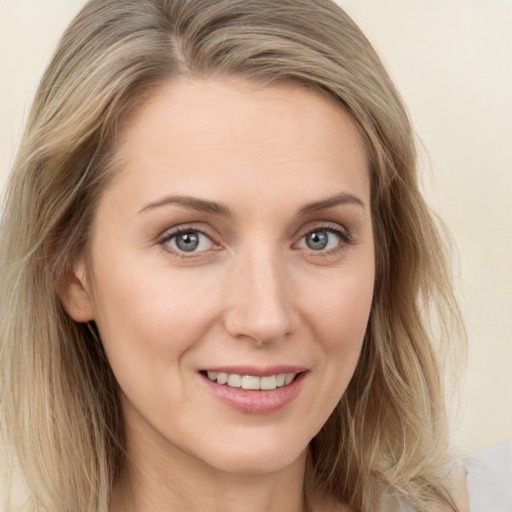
x,y
234,244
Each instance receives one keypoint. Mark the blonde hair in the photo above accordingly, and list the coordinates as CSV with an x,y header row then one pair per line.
x,y
59,397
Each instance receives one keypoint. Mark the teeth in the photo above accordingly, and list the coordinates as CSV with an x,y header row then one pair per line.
x,y
234,381
268,382
280,380
251,381
222,378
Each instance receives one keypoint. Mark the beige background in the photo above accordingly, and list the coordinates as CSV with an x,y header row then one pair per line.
x,y
452,61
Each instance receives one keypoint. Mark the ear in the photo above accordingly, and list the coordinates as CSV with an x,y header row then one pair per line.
x,y
75,294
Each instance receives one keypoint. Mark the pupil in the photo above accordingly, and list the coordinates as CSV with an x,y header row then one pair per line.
x,y
317,240
187,242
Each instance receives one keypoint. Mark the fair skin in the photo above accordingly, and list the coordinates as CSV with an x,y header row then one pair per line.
x,y
269,276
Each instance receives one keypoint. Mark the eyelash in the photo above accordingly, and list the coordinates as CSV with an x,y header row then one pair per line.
x,y
344,235
167,237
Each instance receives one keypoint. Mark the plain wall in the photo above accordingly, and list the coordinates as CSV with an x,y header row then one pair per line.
x,y
452,61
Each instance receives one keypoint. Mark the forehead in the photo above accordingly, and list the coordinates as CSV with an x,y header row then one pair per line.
x,y
214,135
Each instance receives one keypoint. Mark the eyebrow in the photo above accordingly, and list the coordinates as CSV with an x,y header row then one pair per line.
x,y
343,198
192,203
212,207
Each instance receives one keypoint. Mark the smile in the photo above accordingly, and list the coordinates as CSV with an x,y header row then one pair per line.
x,y
253,390
252,382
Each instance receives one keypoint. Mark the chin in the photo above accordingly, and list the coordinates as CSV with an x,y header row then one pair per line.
x,y
258,456
259,463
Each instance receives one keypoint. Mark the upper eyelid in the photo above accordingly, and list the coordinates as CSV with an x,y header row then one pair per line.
x,y
174,231
327,226
333,226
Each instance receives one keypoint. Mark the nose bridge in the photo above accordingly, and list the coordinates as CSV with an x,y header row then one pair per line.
x,y
258,296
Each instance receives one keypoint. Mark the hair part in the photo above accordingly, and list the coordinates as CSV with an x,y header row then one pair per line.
x,y
389,431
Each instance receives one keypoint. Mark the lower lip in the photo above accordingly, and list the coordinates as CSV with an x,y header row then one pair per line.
x,y
256,401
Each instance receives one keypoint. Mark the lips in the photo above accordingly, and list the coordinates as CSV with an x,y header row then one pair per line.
x,y
253,390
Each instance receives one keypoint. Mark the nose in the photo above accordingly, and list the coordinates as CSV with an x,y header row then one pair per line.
x,y
258,301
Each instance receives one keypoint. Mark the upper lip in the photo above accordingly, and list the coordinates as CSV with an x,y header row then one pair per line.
x,y
257,371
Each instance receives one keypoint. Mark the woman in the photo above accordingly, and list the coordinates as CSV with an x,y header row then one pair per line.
x,y
218,271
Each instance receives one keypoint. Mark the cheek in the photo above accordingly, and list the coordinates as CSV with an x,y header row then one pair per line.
x,y
148,321
340,320
150,317
341,308
339,313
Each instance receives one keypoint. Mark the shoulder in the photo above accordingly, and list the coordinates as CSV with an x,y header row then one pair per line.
x,y
490,477
454,481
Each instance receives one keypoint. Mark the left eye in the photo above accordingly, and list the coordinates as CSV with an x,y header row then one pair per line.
x,y
189,241
320,240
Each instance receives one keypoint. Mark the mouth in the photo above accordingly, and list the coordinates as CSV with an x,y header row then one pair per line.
x,y
253,390
251,382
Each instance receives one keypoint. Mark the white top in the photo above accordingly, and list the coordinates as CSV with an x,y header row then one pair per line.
x,y
490,479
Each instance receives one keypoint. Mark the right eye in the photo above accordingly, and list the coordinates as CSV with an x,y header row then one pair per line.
x,y
188,241
321,239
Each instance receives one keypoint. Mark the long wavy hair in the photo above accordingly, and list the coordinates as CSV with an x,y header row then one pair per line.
x,y
60,406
